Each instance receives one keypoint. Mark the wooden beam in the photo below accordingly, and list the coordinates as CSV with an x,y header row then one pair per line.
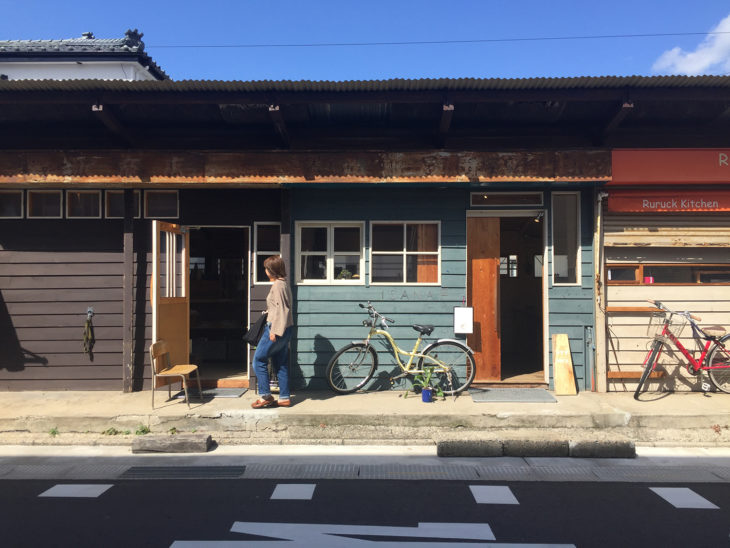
x,y
104,114
279,125
447,114
128,293
623,111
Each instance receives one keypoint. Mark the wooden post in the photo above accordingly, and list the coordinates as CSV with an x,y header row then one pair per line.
x,y
128,293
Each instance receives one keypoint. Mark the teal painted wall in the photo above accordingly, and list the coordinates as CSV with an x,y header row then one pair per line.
x,y
571,307
328,317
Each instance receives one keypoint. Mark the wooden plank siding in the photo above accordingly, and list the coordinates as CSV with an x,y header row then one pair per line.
x,y
328,317
571,309
629,336
50,273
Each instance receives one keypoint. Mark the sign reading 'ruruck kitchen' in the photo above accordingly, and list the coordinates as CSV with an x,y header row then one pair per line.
x,y
654,201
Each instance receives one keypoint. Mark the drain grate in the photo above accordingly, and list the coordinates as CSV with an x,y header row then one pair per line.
x,y
183,472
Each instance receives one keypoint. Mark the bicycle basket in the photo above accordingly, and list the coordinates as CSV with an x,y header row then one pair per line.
x,y
677,324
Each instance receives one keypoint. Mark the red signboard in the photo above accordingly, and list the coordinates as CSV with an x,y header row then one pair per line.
x,y
654,201
670,166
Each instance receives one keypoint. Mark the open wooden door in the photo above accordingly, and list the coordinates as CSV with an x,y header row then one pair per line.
x,y
483,248
170,289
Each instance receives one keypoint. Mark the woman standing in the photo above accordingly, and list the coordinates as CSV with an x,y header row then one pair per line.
x,y
274,341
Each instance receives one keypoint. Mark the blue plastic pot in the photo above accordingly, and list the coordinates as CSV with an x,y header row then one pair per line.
x,y
427,395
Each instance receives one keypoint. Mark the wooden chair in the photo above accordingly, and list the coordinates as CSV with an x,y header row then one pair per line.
x,y
161,368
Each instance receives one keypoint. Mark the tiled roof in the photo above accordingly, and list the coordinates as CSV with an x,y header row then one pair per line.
x,y
394,85
87,45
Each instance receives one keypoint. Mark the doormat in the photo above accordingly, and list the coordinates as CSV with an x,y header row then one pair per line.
x,y
212,393
522,395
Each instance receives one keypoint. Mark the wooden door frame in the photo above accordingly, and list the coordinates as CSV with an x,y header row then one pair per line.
x,y
544,211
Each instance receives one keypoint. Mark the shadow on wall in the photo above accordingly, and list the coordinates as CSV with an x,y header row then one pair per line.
x,y
13,357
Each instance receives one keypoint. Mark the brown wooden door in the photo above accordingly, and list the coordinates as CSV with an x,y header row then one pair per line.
x,y
483,295
170,289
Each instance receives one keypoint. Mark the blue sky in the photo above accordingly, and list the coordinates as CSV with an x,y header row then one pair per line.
x,y
169,24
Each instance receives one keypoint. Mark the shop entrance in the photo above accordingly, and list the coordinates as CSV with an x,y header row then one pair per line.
x,y
219,300
504,286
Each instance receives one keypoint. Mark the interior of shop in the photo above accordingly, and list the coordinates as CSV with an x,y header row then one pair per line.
x,y
219,301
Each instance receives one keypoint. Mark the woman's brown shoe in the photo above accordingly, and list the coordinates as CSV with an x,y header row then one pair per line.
x,y
264,403
284,403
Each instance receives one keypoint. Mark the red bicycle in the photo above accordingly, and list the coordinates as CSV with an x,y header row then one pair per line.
x,y
715,355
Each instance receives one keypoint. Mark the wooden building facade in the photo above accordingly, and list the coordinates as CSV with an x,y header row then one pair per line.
x,y
155,203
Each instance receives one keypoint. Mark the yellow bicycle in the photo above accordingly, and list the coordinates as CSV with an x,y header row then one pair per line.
x,y
449,363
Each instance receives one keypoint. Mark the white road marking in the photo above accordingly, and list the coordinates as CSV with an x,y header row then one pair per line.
x,y
682,497
300,535
493,494
293,491
90,490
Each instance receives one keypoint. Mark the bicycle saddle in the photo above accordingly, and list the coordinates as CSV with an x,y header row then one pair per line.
x,y
423,329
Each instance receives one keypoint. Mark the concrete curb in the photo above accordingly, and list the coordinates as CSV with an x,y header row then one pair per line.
x,y
625,449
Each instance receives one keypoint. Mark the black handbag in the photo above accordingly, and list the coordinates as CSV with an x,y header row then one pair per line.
x,y
253,335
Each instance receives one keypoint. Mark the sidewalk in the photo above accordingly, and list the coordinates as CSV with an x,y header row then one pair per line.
x,y
378,418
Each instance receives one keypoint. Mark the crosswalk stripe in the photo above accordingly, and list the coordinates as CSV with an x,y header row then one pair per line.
x,y
293,491
683,497
493,494
78,490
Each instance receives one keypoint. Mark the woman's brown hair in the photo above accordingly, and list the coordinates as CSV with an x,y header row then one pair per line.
x,y
276,266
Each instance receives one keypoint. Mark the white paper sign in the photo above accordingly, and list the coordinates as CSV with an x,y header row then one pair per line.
x,y
463,320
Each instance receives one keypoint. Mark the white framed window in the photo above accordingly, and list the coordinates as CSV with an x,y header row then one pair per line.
x,y
45,204
114,207
83,204
11,204
405,252
267,243
161,204
566,238
330,253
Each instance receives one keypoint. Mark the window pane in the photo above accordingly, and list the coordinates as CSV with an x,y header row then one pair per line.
x,y
347,267
501,199
267,238
314,267
314,239
565,238
44,204
388,268
347,239
422,237
115,203
11,204
83,204
387,237
622,274
422,269
161,204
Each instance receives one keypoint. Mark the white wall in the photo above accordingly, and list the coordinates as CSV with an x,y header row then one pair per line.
x,y
104,70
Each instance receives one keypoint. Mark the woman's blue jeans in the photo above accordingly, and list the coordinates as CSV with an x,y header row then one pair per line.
x,y
279,353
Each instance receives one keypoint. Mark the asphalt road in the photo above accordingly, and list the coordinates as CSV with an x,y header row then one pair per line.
x,y
378,513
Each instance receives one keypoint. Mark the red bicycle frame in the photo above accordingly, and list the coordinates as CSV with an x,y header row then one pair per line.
x,y
696,365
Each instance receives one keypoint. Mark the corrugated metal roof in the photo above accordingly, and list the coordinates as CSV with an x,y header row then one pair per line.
x,y
397,84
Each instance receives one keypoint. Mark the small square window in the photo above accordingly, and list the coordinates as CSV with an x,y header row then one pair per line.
x,y
83,204
115,204
330,253
405,253
11,204
45,204
161,204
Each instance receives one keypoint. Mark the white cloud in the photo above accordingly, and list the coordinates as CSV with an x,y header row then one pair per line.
x,y
712,56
